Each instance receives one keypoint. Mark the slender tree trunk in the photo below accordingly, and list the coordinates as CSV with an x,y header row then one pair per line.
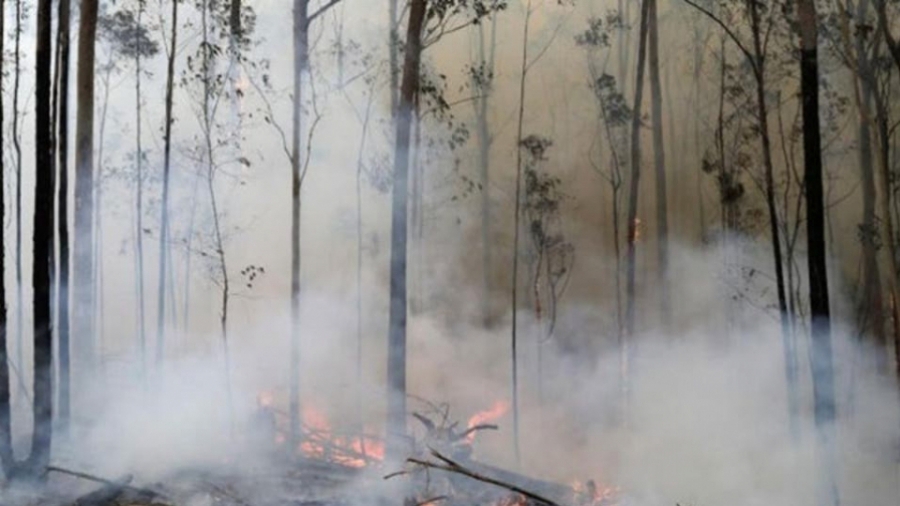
x,y
359,273
62,124
662,211
139,197
164,217
42,241
788,341
20,255
871,306
483,88
394,54
82,266
301,63
208,125
885,179
396,380
514,288
627,343
821,354
7,461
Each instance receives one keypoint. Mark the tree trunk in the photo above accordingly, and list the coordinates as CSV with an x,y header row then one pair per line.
x,y
42,241
788,340
62,225
301,63
139,200
17,147
871,306
394,54
164,205
396,371
483,88
514,288
6,452
662,212
820,353
626,353
82,266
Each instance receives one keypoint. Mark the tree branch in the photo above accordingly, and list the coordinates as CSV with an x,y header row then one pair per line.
x,y
322,10
728,31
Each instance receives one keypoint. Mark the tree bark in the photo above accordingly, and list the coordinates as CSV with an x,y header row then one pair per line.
x,y
82,259
396,371
42,241
820,353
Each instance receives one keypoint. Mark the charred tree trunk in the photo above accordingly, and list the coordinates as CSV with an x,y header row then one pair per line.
x,y
821,354
62,225
659,160
42,241
82,259
396,380
164,205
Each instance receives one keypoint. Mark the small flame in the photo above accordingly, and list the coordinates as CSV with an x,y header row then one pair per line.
x,y
492,414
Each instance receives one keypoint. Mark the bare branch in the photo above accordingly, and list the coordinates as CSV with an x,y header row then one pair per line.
x,y
728,31
322,10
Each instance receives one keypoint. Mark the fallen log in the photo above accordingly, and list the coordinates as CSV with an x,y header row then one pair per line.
x,y
558,492
446,464
136,494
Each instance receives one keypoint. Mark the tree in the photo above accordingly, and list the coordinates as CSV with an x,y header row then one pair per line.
x,y
41,250
164,204
820,353
396,381
757,57
82,252
61,97
482,76
633,195
17,148
659,162
303,18
7,460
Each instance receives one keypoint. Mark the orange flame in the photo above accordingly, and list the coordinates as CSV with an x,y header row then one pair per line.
x,y
492,414
321,442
